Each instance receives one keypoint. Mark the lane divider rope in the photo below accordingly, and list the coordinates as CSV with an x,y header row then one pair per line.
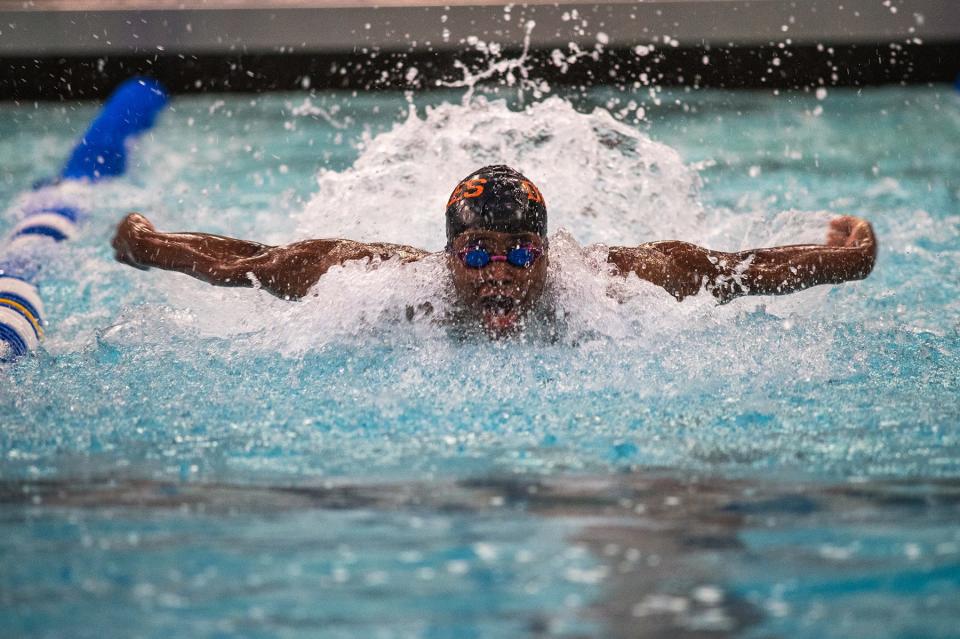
x,y
47,220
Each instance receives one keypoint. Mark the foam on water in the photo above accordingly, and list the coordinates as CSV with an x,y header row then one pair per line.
x,y
152,374
652,380
606,182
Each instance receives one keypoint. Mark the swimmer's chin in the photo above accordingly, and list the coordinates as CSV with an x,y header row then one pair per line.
x,y
501,325
501,322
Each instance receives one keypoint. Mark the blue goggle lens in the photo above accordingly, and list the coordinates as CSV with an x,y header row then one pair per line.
x,y
476,258
521,257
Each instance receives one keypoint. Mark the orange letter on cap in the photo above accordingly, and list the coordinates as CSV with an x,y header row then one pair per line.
x,y
457,192
533,193
475,187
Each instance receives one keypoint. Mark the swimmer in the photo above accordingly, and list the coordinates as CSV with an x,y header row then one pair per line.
x,y
497,256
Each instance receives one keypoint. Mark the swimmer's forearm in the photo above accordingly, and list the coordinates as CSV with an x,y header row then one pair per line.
x,y
285,271
211,258
684,269
174,251
787,269
849,254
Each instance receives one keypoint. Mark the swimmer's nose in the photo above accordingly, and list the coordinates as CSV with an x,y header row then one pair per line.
x,y
498,274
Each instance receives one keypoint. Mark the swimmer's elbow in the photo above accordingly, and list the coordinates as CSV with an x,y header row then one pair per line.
x,y
289,291
279,283
287,275
253,272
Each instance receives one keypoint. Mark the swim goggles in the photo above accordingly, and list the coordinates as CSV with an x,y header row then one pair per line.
x,y
479,257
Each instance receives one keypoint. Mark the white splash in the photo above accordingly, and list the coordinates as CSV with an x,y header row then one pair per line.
x,y
605,184
511,72
308,109
602,180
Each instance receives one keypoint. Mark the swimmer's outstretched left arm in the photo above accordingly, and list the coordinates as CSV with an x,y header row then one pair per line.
x,y
685,269
285,271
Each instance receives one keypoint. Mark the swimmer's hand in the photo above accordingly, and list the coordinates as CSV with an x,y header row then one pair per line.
x,y
852,232
684,269
129,238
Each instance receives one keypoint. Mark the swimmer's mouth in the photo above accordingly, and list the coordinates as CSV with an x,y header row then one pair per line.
x,y
499,305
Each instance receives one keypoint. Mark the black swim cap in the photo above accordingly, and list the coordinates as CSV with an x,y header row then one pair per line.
x,y
496,198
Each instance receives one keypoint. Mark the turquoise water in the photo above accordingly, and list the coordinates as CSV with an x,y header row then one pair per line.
x,y
182,459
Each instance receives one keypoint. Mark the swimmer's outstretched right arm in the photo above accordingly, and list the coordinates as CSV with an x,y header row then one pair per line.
x,y
285,271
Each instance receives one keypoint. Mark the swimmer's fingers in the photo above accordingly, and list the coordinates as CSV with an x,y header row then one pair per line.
x,y
134,222
849,231
838,231
130,231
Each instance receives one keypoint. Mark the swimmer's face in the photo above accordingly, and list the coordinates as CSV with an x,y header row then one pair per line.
x,y
499,293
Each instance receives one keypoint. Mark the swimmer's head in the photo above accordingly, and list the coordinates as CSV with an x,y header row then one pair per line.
x,y
496,198
496,246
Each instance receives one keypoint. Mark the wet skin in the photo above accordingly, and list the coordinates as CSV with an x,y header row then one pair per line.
x,y
499,294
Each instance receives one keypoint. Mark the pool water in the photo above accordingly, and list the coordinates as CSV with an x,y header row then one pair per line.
x,y
212,462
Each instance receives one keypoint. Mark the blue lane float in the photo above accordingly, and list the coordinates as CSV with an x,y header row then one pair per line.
x,y
47,220
102,151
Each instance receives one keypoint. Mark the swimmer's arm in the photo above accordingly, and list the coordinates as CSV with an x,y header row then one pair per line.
x,y
685,269
285,271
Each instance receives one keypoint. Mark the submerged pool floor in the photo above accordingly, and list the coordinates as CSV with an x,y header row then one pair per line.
x,y
211,462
